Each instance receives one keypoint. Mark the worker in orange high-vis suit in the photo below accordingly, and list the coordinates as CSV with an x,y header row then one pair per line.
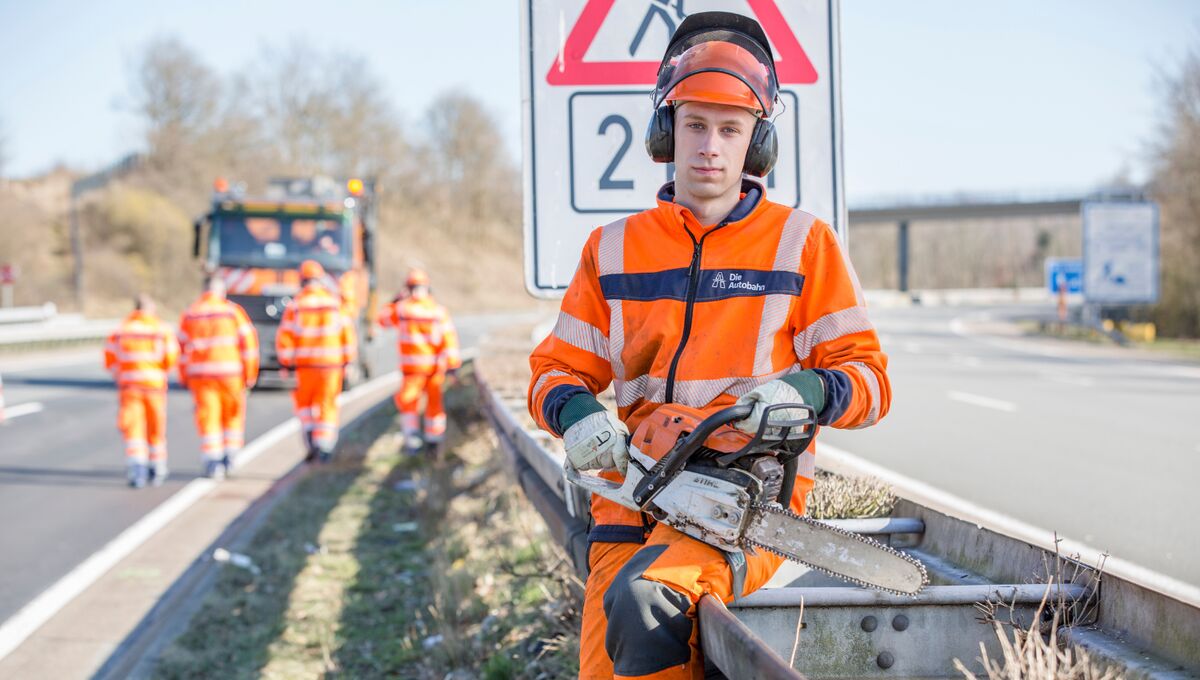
x,y
139,354
317,339
715,296
218,364
428,350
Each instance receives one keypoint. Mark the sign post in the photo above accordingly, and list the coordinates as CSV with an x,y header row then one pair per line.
x,y
589,68
8,277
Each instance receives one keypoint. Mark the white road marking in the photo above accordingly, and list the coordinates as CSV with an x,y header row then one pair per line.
x,y
966,360
978,400
26,409
42,608
1068,379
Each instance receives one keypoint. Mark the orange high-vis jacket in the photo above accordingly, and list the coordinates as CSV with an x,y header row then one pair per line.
x,y
666,310
141,352
218,341
427,340
315,332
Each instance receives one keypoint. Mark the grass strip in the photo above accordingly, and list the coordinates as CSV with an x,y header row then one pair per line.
x,y
387,565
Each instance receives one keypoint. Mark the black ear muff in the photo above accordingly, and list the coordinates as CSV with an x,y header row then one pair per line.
x,y
763,151
660,135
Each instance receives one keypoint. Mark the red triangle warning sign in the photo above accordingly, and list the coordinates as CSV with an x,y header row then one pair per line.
x,y
569,67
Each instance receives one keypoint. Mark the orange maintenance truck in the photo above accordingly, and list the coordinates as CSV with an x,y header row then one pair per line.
x,y
256,244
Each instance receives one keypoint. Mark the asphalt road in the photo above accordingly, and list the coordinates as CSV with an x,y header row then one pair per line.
x,y
63,494
1097,443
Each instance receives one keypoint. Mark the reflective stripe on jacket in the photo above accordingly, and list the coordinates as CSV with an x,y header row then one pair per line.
x,y
666,310
141,352
427,340
315,332
218,341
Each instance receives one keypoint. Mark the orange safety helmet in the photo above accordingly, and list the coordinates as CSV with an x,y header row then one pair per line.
x,y
311,269
718,58
416,277
722,73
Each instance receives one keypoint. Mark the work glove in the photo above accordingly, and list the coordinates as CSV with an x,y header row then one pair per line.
x,y
598,442
805,387
594,438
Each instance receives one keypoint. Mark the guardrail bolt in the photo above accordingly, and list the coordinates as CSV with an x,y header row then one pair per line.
x,y
885,660
900,622
869,623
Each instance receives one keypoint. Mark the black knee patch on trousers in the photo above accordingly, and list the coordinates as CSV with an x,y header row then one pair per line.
x,y
648,625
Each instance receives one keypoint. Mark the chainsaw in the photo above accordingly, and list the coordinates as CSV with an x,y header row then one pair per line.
x,y
731,490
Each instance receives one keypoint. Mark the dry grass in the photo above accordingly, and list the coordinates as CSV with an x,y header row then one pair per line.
x,y
1032,650
838,497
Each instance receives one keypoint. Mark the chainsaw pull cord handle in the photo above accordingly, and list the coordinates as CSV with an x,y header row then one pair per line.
x,y
670,465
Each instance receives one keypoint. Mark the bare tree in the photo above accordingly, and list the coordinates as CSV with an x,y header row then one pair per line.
x,y
1176,185
324,113
3,148
176,95
466,163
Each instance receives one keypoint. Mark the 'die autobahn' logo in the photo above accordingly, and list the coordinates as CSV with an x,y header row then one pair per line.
x,y
736,281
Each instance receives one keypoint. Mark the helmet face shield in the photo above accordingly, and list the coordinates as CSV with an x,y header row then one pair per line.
x,y
719,67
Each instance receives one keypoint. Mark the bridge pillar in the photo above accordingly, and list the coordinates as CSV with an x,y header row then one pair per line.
x,y
902,255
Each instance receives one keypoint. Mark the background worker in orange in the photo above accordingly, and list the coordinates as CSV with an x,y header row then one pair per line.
x,y
714,297
218,364
428,349
139,354
317,339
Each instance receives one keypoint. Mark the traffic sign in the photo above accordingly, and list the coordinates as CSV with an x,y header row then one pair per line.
x,y
1120,252
588,74
1062,271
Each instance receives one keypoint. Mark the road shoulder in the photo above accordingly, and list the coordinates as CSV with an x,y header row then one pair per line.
x,y
78,638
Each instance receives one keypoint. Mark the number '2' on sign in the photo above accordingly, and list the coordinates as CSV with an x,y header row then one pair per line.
x,y
610,170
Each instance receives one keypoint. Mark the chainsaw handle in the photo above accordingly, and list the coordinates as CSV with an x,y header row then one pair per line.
x,y
785,426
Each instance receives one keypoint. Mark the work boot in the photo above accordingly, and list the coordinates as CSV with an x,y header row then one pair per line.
x,y
227,463
325,456
157,473
413,444
137,475
214,470
311,456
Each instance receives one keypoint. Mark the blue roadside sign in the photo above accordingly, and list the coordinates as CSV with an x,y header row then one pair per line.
x,y
1064,270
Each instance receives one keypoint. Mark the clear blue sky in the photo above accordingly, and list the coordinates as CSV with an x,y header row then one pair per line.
x,y
939,96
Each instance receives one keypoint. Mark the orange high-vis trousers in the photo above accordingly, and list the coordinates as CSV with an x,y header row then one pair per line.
x,y
604,561
315,397
648,595
220,415
142,419
408,404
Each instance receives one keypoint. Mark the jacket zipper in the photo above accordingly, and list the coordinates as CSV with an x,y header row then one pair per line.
x,y
693,289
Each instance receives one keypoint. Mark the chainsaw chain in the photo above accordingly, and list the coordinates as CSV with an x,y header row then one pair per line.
x,y
778,510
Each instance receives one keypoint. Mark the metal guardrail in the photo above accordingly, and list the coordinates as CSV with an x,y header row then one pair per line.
x,y
60,329
28,314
